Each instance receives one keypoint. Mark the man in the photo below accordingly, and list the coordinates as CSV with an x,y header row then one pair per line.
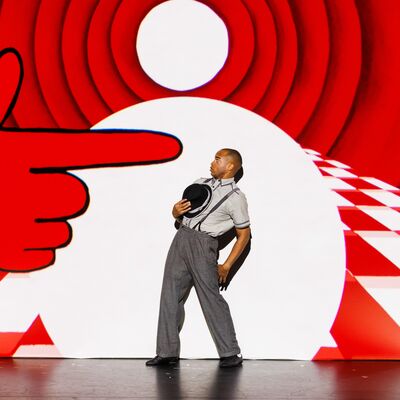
x,y
192,261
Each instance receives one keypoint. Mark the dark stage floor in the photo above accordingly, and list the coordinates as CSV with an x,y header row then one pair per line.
x,y
198,379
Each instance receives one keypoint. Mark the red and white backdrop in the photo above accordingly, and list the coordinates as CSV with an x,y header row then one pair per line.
x,y
110,108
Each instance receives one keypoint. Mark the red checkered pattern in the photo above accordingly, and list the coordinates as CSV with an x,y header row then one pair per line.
x,y
367,323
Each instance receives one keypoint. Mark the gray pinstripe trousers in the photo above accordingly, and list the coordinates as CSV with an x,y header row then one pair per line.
x,y
192,261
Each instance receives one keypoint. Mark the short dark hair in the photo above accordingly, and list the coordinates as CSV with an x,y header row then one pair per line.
x,y
235,155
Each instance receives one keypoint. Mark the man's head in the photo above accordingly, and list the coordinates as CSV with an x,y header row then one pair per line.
x,y
226,163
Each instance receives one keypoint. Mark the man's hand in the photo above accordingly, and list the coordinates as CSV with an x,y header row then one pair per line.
x,y
223,270
181,207
243,236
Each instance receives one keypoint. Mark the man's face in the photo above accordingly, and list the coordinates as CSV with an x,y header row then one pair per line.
x,y
219,166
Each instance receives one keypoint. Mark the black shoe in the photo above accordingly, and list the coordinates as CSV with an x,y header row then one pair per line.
x,y
157,360
231,361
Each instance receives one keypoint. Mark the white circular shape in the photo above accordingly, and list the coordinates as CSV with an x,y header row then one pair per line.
x,y
101,298
182,44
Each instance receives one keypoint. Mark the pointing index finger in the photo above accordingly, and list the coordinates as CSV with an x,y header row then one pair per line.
x,y
79,149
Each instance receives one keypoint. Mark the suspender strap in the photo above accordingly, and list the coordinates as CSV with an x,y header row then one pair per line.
x,y
216,206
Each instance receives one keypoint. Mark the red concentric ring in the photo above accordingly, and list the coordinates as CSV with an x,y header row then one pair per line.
x,y
312,68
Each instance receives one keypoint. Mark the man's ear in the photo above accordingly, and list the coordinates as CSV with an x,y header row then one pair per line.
x,y
231,166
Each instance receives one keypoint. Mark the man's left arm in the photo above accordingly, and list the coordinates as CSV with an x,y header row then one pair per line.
x,y
238,209
242,238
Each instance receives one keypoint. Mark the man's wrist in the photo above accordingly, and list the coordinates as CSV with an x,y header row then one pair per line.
x,y
175,216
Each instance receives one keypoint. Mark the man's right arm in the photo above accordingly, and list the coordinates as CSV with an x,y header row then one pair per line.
x,y
180,208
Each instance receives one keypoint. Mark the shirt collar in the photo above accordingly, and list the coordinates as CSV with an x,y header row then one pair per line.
x,y
223,181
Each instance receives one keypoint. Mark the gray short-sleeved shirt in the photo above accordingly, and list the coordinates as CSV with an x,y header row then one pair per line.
x,y
232,212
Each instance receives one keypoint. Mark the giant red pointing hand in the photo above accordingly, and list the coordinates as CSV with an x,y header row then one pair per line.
x,y
38,195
